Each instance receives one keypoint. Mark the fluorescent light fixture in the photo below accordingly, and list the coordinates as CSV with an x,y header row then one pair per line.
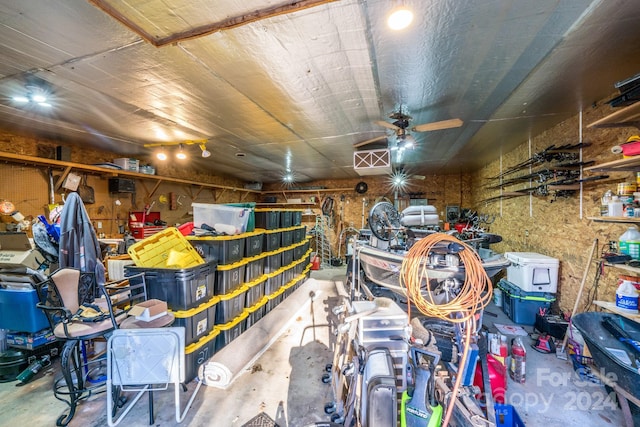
x,y
21,99
39,98
205,153
181,154
400,18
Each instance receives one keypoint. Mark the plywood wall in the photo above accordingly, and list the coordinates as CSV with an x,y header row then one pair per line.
x,y
560,227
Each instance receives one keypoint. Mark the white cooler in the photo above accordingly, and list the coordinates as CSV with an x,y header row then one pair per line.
x,y
533,272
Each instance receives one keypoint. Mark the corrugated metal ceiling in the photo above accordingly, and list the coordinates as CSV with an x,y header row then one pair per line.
x,y
298,88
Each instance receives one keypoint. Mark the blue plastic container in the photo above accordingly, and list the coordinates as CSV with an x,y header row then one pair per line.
x,y
507,416
18,311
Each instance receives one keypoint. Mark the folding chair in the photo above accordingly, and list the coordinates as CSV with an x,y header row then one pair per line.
x,y
145,360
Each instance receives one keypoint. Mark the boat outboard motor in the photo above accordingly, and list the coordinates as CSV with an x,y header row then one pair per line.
x,y
419,407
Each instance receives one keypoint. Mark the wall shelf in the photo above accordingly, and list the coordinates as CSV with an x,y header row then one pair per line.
x,y
621,219
67,167
625,267
624,117
630,164
611,306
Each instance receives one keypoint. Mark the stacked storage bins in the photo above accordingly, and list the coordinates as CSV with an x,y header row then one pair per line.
x,y
175,273
255,271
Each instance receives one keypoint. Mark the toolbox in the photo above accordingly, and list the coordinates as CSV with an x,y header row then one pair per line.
x,y
522,307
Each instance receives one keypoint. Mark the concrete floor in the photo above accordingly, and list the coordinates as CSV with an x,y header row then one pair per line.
x,y
284,383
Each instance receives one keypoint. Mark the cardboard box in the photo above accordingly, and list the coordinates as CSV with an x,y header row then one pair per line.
x,y
30,341
149,310
127,164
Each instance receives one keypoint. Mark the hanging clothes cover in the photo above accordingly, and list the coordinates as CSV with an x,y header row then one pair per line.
x,y
79,246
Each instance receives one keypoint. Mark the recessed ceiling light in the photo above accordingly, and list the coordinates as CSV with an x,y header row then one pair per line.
x,y
240,154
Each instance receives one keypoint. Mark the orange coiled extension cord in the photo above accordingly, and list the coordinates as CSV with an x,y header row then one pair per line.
x,y
475,294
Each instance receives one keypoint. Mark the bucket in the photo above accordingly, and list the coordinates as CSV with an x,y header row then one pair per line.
x,y
497,297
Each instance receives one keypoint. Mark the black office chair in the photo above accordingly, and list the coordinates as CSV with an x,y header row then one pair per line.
x,y
84,313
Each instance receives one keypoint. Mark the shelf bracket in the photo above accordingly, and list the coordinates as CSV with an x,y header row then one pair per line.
x,y
62,177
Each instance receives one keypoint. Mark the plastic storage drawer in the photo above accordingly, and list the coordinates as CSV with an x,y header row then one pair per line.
x,y
231,330
18,311
272,240
253,243
230,277
223,249
231,305
267,219
198,321
198,353
254,268
182,289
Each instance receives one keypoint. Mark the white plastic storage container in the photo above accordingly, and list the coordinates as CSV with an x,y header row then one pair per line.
x,y
214,214
533,272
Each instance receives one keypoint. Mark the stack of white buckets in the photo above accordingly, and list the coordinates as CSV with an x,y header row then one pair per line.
x,y
627,293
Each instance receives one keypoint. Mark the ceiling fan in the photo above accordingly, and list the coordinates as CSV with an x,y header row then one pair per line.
x,y
400,126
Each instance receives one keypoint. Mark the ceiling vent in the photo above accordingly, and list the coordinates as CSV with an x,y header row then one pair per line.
x,y
372,162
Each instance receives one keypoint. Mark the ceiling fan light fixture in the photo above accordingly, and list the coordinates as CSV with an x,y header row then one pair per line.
x,y
400,18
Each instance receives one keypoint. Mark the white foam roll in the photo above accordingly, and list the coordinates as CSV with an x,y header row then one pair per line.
x,y
226,229
616,149
214,374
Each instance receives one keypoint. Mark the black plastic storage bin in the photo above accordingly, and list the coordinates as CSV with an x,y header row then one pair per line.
x,y
299,233
286,218
199,353
272,262
253,243
287,256
254,269
182,288
223,249
230,277
286,238
272,239
197,322
231,330
267,219
296,217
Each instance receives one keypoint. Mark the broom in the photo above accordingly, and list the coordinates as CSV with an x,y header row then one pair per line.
x,y
561,353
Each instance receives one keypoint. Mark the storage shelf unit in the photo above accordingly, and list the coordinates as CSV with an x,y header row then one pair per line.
x,y
630,164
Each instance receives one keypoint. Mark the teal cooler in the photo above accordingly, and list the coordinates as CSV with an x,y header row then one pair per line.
x,y
521,306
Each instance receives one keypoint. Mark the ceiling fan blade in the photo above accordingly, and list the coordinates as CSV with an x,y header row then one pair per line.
x,y
444,124
386,124
369,141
